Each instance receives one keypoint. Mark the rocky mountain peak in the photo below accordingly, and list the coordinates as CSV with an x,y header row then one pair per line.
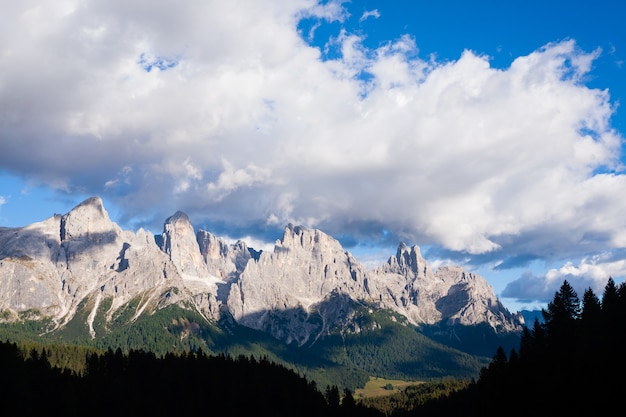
x,y
93,201
88,219
292,236
179,218
409,258
211,246
307,239
178,240
407,262
177,225
223,260
297,292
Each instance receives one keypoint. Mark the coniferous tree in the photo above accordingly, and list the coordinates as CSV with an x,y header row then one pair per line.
x,y
620,329
333,400
348,403
561,324
590,319
527,341
562,312
560,320
591,308
610,299
499,363
614,331
611,314
590,337
610,311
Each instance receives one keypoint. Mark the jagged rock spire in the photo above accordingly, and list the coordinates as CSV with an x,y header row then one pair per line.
x,y
178,240
223,260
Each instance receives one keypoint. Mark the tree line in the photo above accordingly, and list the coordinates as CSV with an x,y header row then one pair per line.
x,y
140,383
570,364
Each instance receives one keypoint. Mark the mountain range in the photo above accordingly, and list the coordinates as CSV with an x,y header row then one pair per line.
x,y
81,266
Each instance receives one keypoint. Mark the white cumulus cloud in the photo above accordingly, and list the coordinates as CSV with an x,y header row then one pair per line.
x,y
223,110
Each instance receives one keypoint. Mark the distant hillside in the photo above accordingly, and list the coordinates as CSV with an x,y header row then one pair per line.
x,y
387,348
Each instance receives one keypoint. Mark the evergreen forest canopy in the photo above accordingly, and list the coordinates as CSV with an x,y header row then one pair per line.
x,y
140,383
571,362
384,348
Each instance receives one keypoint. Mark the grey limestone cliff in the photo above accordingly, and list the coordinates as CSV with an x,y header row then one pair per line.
x,y
307,286
48,269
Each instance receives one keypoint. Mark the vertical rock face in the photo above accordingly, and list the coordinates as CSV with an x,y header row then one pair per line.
x,y
469,300
51,267
407,285
306,286
223,260
28,278
179,242
89,220
88,241
140,268
408,262
450,294
306,268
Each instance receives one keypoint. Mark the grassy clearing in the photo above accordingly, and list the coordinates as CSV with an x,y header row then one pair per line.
x,y
380,387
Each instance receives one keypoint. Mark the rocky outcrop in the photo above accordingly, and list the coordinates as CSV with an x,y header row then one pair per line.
x,y
223,260
449,294
293,283
49,268
469,300
306,287
178,241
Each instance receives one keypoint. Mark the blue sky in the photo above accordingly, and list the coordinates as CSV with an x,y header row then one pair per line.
x,y
490,134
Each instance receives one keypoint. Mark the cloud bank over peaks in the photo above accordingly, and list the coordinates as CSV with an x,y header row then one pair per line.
x,y
225,111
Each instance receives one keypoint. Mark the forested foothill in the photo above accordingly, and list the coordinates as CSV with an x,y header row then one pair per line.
x,y
394,350
140,383
572,361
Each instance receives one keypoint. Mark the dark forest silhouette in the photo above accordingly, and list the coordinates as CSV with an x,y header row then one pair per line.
x,y
572,362
139,383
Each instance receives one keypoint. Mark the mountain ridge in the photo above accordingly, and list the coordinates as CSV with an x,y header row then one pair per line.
x,y
299,292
